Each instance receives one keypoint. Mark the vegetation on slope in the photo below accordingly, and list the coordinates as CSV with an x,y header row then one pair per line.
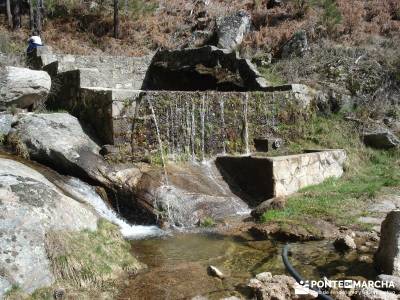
x,y
85,27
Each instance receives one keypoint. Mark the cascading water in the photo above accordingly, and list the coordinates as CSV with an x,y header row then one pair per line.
x,y
202,118
85,193
153,114
221,104
193,132
246,124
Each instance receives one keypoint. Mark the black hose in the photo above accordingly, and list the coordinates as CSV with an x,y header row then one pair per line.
x,y
296,275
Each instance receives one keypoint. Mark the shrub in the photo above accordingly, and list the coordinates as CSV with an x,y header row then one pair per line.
x,y
331,16
353,15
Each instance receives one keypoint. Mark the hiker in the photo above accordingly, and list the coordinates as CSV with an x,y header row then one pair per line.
x,y
34,41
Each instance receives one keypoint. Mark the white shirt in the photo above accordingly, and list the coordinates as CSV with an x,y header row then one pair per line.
x,y
36,39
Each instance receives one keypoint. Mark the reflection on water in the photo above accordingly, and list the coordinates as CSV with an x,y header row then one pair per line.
x,y
178,265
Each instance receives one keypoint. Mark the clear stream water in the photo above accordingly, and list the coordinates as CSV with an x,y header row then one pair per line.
x,y
177,265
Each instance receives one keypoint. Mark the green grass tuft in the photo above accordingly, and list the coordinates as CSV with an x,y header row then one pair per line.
x,y
207,222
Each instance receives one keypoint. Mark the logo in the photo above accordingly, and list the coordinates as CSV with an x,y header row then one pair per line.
x,y
309,286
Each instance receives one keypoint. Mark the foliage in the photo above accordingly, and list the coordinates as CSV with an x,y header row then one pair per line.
x,y
271,75
207,222
331,15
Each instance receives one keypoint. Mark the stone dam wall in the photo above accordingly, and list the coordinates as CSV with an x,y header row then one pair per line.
x,y
128,104
119,72
190,125
261,178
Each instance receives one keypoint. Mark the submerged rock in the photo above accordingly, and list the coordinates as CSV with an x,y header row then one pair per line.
x,y
23,88
319,230
232,29
387,258
213,271
30,207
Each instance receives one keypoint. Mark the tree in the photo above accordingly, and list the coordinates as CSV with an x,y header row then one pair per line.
x,y
17,14
39,10
31,16
116,19
9,15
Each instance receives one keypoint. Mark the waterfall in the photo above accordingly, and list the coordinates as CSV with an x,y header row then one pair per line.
x,y
246,124
159,139
202,118
172,135
168,134
274,110
221,104
87,194
193,132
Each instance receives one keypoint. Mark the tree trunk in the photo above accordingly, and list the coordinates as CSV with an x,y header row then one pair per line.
x,y
31,16
116,19
17,14
9,15
39,16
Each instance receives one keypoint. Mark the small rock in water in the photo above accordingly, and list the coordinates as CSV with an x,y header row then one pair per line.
x,y
213,271
344,243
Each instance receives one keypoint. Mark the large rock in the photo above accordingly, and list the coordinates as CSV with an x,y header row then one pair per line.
x,y
387,258
30,206
58,140
273,203
205,68
232,29
6,120
296,46
344,243
381,139
23,88
192,193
